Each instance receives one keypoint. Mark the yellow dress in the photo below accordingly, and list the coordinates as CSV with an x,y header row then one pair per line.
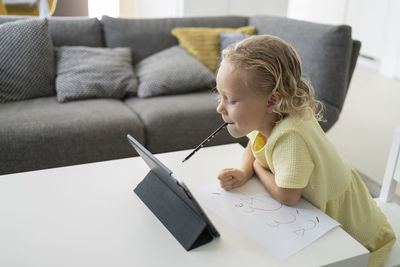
x,y
299,154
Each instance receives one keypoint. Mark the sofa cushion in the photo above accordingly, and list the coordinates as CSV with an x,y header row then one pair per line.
x,y
325,52
205,43
70,31
228,38
148,36
171,71
177,122
76,31
7,18
41,133
27,68
94,72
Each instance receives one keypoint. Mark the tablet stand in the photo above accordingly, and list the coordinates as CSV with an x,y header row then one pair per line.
x,y
188,227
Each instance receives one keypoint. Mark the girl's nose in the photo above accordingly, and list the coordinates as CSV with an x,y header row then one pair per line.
x,y
220,108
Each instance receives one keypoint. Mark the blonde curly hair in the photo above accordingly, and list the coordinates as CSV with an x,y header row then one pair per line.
x,y
275,67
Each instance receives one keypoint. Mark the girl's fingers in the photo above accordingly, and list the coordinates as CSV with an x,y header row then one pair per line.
x,y
226,187
228,184
225,178
226,174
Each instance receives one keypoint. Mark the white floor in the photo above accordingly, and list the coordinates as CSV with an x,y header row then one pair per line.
x,y
371,113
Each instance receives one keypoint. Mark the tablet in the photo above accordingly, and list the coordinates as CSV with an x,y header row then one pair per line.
x,y
172,181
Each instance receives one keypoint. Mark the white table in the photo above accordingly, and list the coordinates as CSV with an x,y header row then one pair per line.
x,y
88,215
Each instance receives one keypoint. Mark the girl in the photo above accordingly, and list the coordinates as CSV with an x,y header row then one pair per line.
x,y
262,95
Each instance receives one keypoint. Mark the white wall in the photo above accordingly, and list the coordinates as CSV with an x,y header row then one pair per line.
x,y
368,20
126,8
390,63
155,8
98,8
190,8
321,11
374,23
364,131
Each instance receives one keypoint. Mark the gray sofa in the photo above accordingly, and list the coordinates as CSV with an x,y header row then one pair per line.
x,y
42,133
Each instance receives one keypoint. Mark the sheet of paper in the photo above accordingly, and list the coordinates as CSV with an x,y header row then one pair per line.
x,y
281,229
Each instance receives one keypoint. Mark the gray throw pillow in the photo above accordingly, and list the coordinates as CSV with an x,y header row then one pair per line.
x,y
171,71
94,72
228,38
27,68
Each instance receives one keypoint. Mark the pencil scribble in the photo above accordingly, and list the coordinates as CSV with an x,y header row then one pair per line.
x,y
277,214
302,230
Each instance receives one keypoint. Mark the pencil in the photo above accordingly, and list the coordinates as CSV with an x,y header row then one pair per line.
x,y
206,141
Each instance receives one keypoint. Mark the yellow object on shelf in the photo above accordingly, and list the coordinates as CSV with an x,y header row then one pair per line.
x,y
2,8
25,9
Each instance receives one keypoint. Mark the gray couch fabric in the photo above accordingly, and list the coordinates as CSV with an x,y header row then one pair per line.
x,y
42,133
27,68
179,121
70,31
76,32
148,36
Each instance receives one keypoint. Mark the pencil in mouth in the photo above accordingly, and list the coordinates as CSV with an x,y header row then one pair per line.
x,y
211,136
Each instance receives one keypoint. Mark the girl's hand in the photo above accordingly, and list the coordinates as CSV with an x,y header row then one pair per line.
x,y
230,178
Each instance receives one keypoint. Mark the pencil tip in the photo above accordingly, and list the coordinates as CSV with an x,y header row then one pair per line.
x,y
183,160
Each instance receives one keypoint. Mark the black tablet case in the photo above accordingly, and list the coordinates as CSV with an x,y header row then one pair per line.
x,y
185,224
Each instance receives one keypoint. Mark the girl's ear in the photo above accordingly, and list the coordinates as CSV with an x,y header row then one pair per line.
x,y
273,100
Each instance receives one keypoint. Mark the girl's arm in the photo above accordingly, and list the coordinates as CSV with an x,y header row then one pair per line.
x,y
287,196
231,177
247,162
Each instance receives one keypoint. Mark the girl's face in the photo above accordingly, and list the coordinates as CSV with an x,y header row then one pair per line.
x,y
240,106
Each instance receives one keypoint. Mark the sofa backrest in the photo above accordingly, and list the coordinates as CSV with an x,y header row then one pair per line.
x,y
70,30
148,36
328,56
328,53
76,32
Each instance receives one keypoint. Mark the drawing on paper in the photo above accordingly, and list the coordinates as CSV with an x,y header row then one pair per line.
x,y
254,204
302,230
283,230
277,213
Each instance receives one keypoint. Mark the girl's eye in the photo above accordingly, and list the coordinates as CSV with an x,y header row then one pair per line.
x,y
227,100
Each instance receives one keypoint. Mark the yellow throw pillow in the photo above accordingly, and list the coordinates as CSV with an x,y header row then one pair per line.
x,y
204,43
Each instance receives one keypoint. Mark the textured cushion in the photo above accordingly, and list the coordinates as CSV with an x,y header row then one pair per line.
x,y
41,133
88,72
71,31
8,18
171,71
204,43
27,67
325,52
176,122
148,36
228,38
